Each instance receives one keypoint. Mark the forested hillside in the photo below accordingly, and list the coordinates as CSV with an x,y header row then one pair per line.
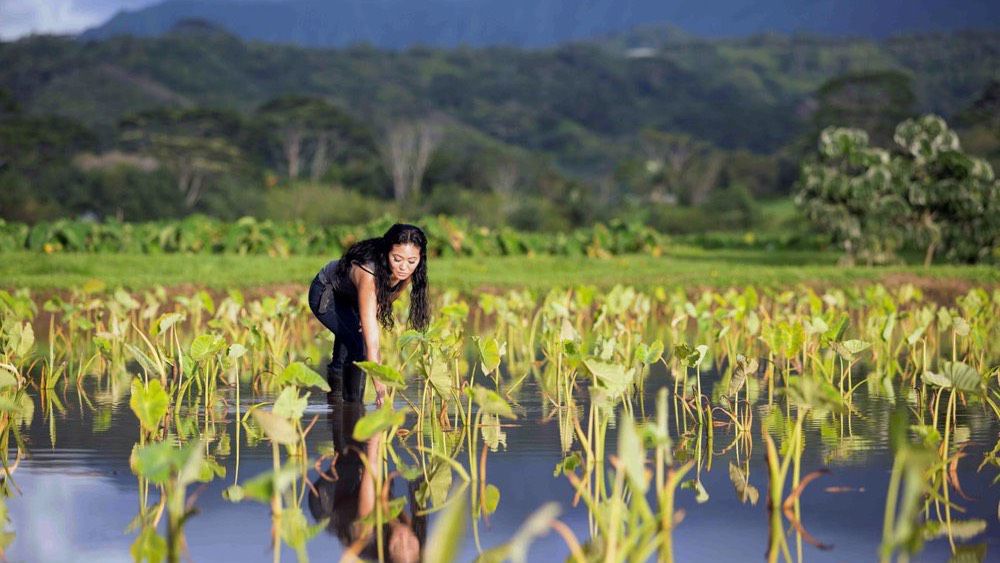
x,y
648,119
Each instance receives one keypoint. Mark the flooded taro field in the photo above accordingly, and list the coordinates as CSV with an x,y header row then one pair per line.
x,y
615,425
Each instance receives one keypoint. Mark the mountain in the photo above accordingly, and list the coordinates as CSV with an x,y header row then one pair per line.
x,y
396,24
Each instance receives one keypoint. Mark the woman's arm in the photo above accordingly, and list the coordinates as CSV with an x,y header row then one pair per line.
x,y
368,308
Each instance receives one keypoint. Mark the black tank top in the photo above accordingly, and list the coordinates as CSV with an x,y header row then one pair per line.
x,y
342,284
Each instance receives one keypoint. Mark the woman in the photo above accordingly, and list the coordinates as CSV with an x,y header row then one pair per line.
x,y
353,297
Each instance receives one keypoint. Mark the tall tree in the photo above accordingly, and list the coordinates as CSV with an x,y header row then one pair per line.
x,y
406,150
195,144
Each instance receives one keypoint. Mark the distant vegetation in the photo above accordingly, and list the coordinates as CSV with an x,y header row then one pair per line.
x,y
684,136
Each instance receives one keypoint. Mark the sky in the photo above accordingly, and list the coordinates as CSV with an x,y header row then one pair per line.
x,y
23,17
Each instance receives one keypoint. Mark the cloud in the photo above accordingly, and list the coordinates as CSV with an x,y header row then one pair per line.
x,y
22,17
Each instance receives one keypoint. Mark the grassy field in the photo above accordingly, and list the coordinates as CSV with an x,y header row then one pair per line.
x,y
688,267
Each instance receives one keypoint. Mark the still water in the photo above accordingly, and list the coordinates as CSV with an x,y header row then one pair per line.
x,y
77,495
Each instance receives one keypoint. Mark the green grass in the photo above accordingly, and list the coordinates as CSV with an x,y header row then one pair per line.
x,y
684,266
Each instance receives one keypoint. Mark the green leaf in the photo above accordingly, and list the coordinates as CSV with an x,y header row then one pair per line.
x,y
446,537
26,341
262,487
848,349
149,403
149,547
745,367
166,321
744,490
206,346
489,352
490,402
936,379
159,460
384,373
298,373
491,498
8,376
378,421
278,429
612,377
701,495
963,377
632,454
289,405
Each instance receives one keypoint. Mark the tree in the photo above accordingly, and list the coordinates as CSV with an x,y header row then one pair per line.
x,y
306,133
406,150
677,167
954,198
928,193
195,144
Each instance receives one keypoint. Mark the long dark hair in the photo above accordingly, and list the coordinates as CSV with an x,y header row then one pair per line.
x,y
376,251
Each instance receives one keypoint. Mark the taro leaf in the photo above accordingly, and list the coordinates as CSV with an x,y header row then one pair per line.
x,y
166,321
744,490
148,364
568,333
700,352
157,461
278,429
850,348
438,484
210,469
289,405
237,351
493,434
149,403
149,547
490,402
816,326
516,550
297,373
206,346
612,377
384,373
962,327
936,379
377,421
26,341
743,369
649,354
448,532
632,455
491,498
568,464
969,554
296,531
701,495
125,299
890,325
682,351
490,352
959,529
963,377
8,376
440,378
262,487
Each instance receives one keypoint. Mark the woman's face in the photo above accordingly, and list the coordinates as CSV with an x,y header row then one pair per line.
x,y
403,260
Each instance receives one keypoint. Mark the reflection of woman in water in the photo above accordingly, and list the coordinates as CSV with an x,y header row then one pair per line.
x,y
346,493
353,297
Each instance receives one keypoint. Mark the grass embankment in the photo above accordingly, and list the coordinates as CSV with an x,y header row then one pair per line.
x,y
683,266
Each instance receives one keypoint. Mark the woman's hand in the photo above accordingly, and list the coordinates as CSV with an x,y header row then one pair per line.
x,y
379,393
